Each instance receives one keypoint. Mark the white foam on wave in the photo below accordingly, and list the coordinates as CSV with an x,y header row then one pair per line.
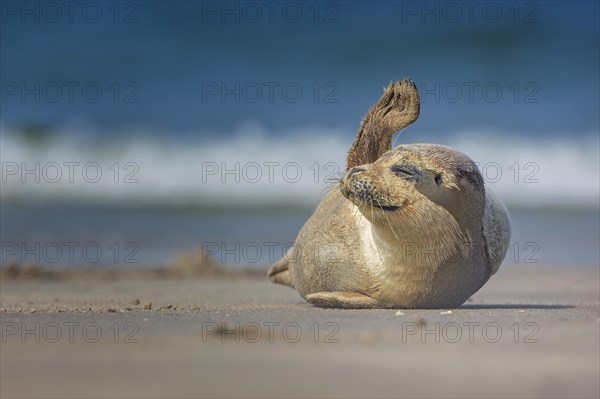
x,y
256,168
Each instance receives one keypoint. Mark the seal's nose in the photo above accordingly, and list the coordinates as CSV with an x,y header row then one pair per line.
x,y
354,170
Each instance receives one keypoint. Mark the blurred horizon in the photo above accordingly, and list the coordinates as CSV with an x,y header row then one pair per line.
x,y
161,91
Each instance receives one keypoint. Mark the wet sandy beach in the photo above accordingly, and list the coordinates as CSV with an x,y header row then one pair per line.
x,y
530,332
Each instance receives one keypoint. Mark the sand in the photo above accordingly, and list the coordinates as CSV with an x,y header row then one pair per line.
x,y
530,332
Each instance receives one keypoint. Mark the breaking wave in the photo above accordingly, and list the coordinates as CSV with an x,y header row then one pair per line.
x,y
256,168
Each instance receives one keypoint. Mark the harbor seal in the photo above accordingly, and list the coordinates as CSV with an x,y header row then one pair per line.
x,y
411,227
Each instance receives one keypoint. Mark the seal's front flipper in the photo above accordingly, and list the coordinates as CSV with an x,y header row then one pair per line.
x,y
348,300
279,273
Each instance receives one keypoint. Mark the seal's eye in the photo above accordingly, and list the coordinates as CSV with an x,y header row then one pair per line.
x,y
438,179
405,171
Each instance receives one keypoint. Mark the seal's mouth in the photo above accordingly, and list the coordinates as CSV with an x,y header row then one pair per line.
x,y
387,208
361,194
359,199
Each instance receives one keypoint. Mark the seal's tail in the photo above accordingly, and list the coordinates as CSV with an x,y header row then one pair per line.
x,y
279,273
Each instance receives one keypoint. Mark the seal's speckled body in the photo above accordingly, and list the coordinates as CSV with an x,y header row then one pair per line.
x,y
412,227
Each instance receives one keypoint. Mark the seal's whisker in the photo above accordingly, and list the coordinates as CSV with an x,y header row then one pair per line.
x,y
389,222
360,214
332,186
395,139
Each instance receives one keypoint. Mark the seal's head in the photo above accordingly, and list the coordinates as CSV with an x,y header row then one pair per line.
x,y
411,182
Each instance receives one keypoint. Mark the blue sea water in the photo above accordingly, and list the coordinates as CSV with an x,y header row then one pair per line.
x,y
168,124
522,66
79,237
